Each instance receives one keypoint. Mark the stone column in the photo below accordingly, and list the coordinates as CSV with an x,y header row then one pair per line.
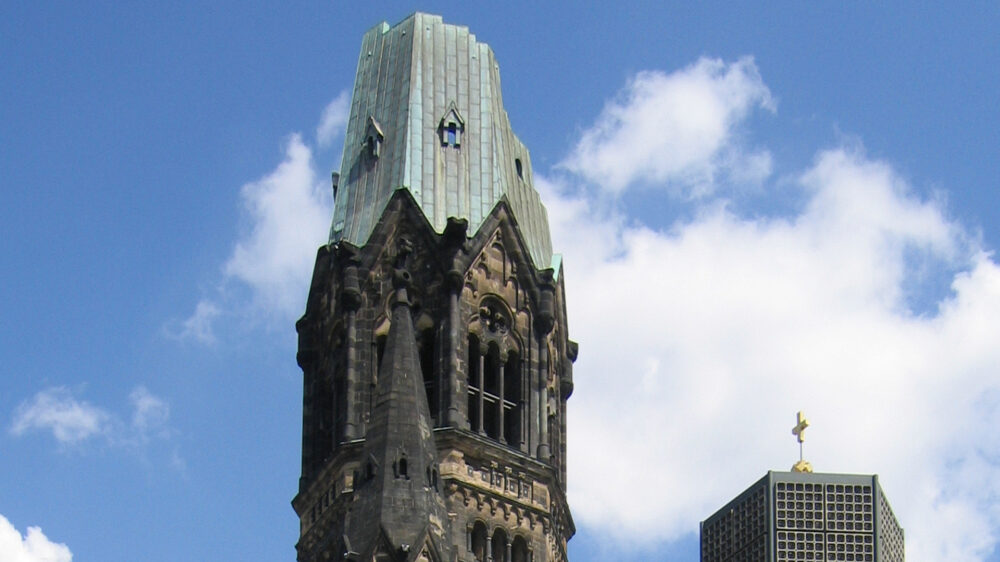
x,y
545,321
352,302
501,361
455,416
482,390
544,451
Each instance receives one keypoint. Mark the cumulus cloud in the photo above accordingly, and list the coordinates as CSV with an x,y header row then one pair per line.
x,y
678,130
701,339
73,421
198,326
290,215
287,217
32,547
56,410
150,413
334,119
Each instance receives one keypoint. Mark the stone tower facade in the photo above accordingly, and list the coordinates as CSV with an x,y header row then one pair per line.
x,y
434,346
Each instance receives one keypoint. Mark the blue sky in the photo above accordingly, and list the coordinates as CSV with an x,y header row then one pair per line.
x,y
813,188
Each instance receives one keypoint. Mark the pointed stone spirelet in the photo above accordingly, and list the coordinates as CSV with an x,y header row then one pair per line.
x,y
398,483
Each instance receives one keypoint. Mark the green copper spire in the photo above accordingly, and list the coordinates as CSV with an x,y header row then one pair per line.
x,y
427,116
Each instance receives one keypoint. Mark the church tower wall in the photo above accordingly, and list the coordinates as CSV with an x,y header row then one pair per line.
x,y
435,185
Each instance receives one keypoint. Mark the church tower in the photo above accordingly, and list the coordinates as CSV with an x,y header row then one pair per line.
x,y
434,348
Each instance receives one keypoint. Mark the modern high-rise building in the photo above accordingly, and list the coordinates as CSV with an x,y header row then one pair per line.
x,y
434,346
791,516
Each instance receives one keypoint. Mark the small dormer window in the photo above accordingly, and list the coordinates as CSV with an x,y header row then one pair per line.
x,y
372,145
519,167
451,126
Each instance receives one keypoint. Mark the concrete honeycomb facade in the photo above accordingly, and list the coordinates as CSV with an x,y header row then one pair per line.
x,y
791,516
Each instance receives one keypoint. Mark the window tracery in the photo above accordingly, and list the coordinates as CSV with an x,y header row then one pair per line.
x,y
494,375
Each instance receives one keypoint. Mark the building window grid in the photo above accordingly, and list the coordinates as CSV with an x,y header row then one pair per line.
x,y
840,518
849,508
739,535
799,518
851,547
800,545
799,506
891,535
717,544
804,510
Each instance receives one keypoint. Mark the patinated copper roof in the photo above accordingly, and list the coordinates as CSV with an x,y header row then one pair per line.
x,y
414,79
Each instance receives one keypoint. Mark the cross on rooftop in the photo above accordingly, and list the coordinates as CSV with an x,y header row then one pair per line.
x,y
799,431
801,423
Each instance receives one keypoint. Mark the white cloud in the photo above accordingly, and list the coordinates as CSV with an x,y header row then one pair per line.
x,y
149,412
287,217
289,211
73,421
701,340
334,119
676,129
33,547
199,326
55,409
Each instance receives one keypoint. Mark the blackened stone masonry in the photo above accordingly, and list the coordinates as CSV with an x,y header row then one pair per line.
x,y
434,346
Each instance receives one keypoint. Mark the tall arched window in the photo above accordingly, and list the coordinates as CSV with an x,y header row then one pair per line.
x,y
430,376
477,541
519,550
499,546
494,392
492,375
495,377
475,385
379,351
512,400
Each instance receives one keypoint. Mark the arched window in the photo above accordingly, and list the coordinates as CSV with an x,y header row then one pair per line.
x,y
339,404
477,541
519,550
499,546
492,392
379,351
432,478
430,376
475,385
512,400
495,391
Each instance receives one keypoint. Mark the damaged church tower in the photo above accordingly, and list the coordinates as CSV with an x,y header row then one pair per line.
x,y
434,345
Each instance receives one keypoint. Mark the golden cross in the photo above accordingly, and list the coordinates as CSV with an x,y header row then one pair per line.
x,y
799,431
800,427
